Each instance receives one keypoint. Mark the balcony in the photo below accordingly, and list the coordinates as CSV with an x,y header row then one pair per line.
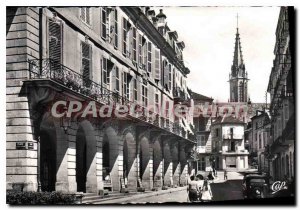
x,y
233,136
63,77
179,95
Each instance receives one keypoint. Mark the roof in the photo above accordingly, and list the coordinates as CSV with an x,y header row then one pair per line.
x,y
199,97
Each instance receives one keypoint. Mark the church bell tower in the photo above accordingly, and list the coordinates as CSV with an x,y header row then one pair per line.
x,y
238,78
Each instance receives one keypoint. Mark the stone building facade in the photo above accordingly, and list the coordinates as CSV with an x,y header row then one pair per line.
x,y
228,143
202,125
109,56
282,108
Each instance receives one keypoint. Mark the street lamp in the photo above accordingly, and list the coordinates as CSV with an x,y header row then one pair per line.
x,y
65,122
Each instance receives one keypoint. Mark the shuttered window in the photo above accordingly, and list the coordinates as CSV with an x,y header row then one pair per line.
x,y
170,77
86,63
157,64
104,21
149,62
135,93
166,74
55,41
124,38
117,80
157,102
85,15
140,51
126,85
144,95
145,53
134,44
116,28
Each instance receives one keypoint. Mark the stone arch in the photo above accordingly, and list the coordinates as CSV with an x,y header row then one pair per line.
x,y
144,161
48,153
157,163
111,139
129,158
175,163
167,171
86,149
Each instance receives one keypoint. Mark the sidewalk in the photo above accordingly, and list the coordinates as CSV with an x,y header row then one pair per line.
x,y
127,197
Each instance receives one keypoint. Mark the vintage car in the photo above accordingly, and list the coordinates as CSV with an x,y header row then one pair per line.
x,y
255,186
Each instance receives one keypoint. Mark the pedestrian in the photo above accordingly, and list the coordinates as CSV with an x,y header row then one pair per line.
x,y
210,176
225,174
193,189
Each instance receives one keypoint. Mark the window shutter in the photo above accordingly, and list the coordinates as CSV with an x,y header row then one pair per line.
x,y
157,64
116,28
55,41
82,13
86,63
166,74
88,16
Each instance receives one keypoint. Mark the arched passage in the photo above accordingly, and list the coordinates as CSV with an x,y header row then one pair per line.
x,y
129,160
157,164
47,157
111,142
144,168
167,164
175,163
86,149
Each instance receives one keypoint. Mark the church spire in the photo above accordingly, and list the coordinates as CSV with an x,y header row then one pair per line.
x,y
238,77
238,62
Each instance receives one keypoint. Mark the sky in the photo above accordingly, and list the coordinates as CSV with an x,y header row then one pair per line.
x,y
209,37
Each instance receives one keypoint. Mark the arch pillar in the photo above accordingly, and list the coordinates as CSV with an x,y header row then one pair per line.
x,y
145,158
167,164
175,161
183,164
157,166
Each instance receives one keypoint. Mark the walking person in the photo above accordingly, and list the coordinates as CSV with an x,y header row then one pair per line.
x,y
193,189
225,174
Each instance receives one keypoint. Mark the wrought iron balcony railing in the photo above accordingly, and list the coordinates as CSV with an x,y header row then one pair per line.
x,y
52,70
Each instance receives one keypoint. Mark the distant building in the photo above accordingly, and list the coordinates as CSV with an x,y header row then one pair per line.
x,y
202,131
228,143
260,139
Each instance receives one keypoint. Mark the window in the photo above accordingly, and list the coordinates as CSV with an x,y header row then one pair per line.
x,y
157,102
85,15
201,141
217,132
55,41
259,141
107,67
86,63
126,26
145,53
149,57
135,92
134,45
140,51
116,28
104,22
170,77
231,131
157,64
201,164
144,94
117,80
126,81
